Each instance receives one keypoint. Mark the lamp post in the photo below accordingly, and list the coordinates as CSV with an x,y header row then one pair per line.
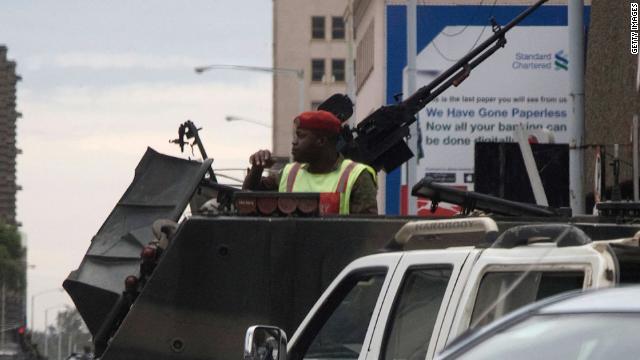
x,y
59,344
299,73
46,327
33,301
238,118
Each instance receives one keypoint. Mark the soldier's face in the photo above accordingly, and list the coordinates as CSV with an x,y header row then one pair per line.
x,y
304,147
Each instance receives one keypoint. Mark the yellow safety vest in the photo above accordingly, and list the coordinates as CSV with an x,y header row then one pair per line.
x,y
296,178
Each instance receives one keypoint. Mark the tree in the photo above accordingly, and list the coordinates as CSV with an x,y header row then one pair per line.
x,y
70,321
69,332
12,269
72,329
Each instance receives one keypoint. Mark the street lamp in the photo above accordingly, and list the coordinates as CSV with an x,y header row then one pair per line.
x,y
46,327
33,301
238,118
299,73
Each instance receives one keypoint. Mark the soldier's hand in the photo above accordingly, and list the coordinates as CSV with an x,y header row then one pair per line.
x,y
261,158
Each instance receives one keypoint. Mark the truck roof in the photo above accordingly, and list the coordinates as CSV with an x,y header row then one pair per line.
x,y
486,233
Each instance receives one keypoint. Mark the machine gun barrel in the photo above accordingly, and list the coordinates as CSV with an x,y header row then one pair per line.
x,y
379,139
461,69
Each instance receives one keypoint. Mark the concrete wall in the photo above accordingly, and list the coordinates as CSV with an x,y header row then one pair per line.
x,y
611,97
294,48
370,95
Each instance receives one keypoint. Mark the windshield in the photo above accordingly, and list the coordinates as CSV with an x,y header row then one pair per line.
x,y
572,336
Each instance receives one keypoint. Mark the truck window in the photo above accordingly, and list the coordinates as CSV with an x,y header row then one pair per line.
x,y
414,313
339,327
502,292
629,262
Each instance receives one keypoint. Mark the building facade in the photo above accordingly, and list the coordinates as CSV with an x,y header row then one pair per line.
x,y
612,96
310,36
13,297
8,149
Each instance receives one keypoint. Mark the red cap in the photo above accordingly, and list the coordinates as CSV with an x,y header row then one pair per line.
x,y
318,120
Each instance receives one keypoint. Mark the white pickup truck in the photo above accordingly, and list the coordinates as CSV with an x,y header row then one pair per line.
x,y
410,304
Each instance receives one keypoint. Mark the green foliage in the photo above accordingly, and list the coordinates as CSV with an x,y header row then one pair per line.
x,y
12,266
70,321
10,240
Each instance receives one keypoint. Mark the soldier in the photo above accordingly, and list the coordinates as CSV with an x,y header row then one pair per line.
x,y
349,187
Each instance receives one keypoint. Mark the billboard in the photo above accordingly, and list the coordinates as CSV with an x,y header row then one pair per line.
x,y
526,83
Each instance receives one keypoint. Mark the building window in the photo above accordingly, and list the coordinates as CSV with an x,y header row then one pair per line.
x,y
317,69
337,70
337,27
317,27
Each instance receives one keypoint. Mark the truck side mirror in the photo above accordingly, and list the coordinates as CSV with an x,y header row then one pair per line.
x,y
265,343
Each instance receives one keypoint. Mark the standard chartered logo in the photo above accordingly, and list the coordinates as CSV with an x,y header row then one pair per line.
x,y
561,61
540,61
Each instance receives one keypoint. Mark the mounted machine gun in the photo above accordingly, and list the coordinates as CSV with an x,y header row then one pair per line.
x,y
379,140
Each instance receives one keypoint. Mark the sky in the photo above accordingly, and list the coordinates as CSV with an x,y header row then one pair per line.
x,y
101,81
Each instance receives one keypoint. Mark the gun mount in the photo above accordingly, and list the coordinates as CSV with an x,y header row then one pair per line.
x,y
471,201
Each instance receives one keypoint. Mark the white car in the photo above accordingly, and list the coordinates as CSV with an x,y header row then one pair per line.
x,y
591,325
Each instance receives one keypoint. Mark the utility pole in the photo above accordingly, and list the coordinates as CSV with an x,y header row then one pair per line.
x,y
576,70
46,333
69,339
46,328
59,344
33,302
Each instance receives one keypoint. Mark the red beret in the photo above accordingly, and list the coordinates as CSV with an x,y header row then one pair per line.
x,y
319,120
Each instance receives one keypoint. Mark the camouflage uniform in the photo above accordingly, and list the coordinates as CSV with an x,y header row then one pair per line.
x,y
363,194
